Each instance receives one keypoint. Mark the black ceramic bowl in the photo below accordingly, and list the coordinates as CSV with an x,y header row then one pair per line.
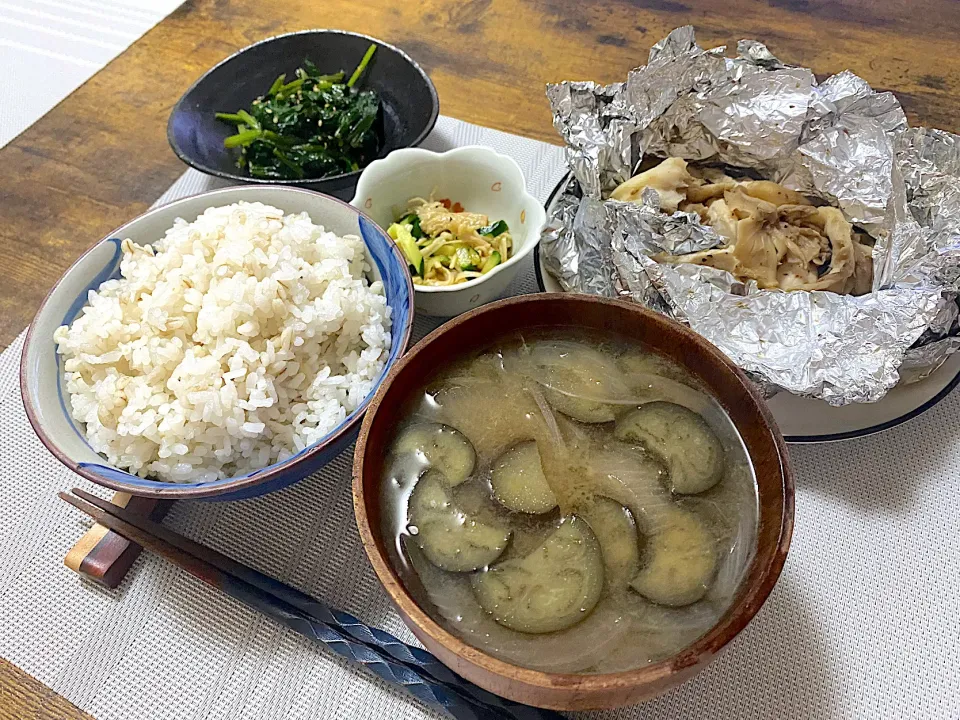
x,y
409,104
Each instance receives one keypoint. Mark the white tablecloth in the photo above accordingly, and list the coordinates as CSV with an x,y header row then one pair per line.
x,y
864,623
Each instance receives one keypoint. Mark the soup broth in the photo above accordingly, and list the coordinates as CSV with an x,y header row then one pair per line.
x,y
569,505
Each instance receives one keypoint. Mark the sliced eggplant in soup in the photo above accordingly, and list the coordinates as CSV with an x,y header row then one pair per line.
x,y
683,441
450,538
441,447
578,381
680,559
518,481
553,588
616,531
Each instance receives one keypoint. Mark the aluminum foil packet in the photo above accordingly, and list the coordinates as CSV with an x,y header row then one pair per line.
x,y
838,141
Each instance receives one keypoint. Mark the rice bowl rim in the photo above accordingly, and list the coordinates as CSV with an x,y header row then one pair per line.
x,y
148,487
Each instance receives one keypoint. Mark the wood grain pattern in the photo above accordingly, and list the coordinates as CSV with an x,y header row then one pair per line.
x,y
23,698
102,555
101,157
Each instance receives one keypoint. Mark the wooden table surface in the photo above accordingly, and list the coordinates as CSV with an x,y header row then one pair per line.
x,y
101,156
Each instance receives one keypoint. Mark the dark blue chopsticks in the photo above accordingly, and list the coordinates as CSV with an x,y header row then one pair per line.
x,y
402,665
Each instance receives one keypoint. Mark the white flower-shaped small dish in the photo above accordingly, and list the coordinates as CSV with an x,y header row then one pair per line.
x,y
481,180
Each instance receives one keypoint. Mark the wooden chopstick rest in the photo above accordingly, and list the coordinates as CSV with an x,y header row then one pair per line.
x,y
103,555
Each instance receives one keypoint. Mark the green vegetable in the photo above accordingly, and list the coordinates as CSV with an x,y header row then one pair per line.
x,y
433,261
277,84
230,118
407,243
491,262
285,91
248,119
449,249
413,220
415,228
497,228
314,126
288,163
242,138
362,66
466,258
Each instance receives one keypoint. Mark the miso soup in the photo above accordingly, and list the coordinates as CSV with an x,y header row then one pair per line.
x,y
570,502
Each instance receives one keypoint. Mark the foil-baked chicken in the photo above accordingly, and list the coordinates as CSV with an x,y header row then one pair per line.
x,y
772,235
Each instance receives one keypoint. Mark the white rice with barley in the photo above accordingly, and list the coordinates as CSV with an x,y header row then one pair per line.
x,y
234,342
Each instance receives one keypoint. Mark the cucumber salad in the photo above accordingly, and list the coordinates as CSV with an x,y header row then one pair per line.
x,y
444,244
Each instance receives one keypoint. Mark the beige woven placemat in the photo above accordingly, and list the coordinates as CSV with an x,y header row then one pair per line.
x,y
864,623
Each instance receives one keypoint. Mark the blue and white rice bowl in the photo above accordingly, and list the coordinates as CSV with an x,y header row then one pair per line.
x,y
43,384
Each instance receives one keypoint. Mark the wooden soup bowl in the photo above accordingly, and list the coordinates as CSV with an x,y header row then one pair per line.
x,y
478,329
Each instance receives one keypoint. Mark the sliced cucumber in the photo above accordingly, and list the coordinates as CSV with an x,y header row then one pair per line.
x,y
681,559
553,588
449,538
518,481
435,261
408,244
441,447
466,258
413,220
616,531
683,441
449,249
494,229
491,262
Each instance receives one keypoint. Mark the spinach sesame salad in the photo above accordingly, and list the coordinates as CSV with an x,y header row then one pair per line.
x,y
312,127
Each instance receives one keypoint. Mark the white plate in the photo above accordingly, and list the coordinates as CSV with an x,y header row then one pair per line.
x,y
807,420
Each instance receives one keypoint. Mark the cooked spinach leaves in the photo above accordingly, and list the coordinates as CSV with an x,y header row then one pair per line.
x,y
314,126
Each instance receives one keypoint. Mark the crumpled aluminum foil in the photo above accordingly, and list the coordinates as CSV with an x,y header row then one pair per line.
x,y
839,141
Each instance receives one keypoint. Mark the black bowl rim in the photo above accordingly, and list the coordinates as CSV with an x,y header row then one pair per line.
x,y
178,151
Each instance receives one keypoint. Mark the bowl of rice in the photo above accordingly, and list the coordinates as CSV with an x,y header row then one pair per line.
x,y
222,346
